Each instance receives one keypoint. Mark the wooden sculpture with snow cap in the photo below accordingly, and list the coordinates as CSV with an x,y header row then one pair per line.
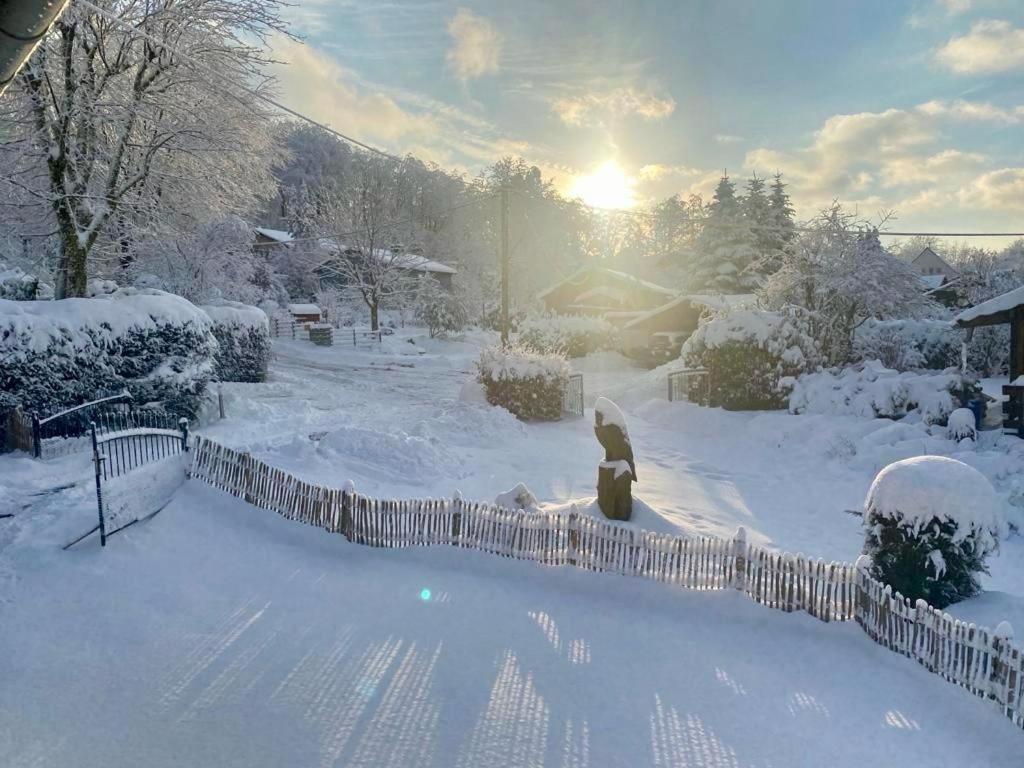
x,y
617,473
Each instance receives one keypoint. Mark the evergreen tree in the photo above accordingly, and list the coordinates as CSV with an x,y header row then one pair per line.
x,y
781,229
757,214
724,251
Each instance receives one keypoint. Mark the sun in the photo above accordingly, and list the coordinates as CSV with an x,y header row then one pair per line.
x,y
607,186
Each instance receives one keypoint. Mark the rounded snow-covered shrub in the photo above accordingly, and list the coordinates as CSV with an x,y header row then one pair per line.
x,y
16,285
569,335
56,354
749,353
961,425
243,341
527,383
930,523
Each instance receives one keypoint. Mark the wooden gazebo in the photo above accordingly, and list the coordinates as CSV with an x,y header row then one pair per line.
x,y
1007,308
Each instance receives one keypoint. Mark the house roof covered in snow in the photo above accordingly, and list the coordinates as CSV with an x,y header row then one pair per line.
x,y
720,302
931,282
304,309
403,259
277,235
623,277
992,312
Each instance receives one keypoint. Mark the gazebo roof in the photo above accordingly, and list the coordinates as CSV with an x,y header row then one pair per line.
x,y
992,312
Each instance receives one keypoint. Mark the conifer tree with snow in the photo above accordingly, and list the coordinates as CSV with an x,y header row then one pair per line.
x,y
724,251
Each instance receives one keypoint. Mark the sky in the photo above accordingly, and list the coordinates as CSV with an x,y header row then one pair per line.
x,y
912,106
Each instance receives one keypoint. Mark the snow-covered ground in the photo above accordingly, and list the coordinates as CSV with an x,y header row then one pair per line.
x,y
217,634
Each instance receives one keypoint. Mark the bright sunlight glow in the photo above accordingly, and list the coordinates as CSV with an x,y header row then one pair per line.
x,y
607,186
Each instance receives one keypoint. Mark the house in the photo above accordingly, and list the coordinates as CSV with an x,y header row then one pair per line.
x,y
404,261
266,238
938,277
305,313
601,292
658,334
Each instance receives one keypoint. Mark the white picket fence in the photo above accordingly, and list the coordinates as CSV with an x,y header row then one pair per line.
x,y
986,664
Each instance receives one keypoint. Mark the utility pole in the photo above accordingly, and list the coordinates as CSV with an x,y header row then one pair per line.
x,y
504,266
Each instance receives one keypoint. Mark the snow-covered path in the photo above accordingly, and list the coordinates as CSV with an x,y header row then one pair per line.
x,y
220,635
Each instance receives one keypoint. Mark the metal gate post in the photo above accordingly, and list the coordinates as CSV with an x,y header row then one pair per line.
x,y
96,460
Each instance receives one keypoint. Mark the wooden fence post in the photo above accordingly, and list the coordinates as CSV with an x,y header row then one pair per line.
x,y
246,460
348,500
999,677
860,600
739,553
456,516
574,535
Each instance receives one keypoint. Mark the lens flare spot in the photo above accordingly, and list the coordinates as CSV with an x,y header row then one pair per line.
x,y
424,594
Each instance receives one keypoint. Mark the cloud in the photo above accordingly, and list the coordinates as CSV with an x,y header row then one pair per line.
x,y
599,106
972,110
314,83
476,45
725,138
1002,190
991,46
945,166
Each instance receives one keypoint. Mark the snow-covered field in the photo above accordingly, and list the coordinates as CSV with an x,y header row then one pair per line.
x,y
217,634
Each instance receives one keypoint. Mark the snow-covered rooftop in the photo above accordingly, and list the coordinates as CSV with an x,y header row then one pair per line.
x,y
304,309
931,282
403,259
623,276
991,312
720,302
277,235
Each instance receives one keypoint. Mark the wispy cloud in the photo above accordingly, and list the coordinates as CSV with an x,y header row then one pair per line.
x,y
991,46
981,111
476,45
598,107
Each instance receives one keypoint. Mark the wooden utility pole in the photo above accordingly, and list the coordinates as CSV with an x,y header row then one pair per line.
x,y
504,266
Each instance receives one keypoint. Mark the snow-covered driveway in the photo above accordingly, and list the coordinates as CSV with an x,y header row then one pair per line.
x,y
221,635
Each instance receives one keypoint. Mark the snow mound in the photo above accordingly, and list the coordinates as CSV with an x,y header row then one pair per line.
x,y
517,497
916,491
236,313
396,456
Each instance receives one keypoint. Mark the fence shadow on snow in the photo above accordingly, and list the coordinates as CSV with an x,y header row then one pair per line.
x,y
975,658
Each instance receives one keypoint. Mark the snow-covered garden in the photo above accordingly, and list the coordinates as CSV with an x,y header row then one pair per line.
x,y
218,633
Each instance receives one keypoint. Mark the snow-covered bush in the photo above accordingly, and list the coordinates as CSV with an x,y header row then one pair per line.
x,y
749,353
930,523
906,345
961,425
17,285
527,383
61,353
441,311
243,341
871,390
569,335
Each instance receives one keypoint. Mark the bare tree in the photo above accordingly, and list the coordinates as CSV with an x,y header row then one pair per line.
x,y
118,123
368,235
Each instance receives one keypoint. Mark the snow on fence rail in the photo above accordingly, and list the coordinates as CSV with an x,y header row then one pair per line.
x,y
984,662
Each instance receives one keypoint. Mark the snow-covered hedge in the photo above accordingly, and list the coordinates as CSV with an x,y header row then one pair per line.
x,y
930,523
243,339
569,335
871,390
61,353
749,352
906,345
527,383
